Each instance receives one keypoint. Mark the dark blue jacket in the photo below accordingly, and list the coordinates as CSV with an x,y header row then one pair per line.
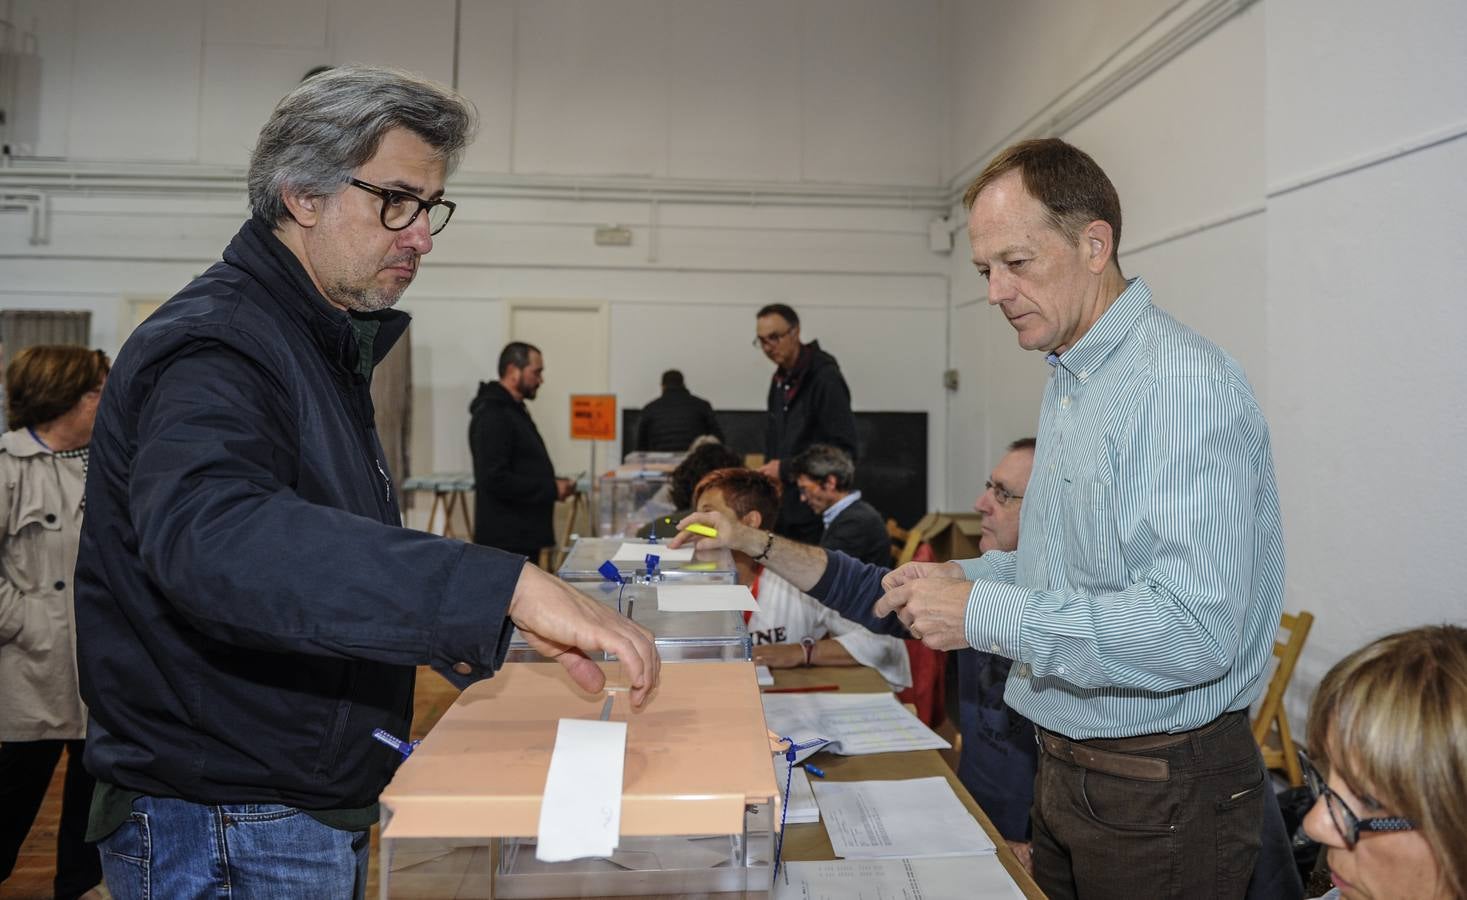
x,y
248,607
998,759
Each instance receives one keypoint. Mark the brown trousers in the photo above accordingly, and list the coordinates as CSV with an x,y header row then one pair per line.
x,y
1150,817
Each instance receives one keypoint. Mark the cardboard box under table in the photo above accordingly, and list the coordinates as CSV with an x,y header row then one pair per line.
x,y
696,770
680,636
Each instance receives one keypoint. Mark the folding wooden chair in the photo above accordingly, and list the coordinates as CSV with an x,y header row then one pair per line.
x,y
904,542
1271,727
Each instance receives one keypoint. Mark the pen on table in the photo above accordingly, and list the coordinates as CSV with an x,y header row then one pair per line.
x,y
803,689
815,770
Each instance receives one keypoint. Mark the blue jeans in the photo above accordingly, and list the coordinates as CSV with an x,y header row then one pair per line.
x,y
175,850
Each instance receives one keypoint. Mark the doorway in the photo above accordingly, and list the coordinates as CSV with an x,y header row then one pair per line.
x,y
573,338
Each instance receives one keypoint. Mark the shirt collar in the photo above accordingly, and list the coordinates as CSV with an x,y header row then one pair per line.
x,y
1091,351
840,506
19,443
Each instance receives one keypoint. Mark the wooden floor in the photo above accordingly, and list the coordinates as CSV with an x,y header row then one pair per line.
x,y
36,866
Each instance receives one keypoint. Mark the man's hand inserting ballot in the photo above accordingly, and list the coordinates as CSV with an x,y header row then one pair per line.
x,y
563,624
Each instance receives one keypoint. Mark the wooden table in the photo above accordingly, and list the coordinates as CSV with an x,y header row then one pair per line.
x,y
811,842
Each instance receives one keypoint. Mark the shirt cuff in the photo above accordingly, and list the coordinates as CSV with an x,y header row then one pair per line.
x,y
993,621
975,568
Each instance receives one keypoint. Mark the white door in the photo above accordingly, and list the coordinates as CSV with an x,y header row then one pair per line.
x,y
573,339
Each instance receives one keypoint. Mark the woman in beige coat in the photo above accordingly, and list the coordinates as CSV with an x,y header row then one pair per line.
x,y
52,394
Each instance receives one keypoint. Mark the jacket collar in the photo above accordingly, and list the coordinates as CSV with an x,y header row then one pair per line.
x,y
258,251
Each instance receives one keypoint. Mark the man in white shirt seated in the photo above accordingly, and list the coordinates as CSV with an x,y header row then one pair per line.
x,y
791,628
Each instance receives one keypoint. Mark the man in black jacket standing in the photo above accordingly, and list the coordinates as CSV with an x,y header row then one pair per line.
x,y
515,487
826,478
249,609
808,403
674,420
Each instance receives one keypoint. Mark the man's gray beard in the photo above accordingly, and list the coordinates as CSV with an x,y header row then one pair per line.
x,y
366,300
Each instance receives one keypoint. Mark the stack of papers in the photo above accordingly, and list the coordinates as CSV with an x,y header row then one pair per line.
x,y
852,724
802,808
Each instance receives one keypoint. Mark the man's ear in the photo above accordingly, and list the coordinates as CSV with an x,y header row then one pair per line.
x,y
829,483
305,210
1100,245
752,518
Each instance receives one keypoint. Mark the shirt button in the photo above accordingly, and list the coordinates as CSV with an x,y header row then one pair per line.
x,y
60,585
1065,402
993,648
50,517
1060,670
463,668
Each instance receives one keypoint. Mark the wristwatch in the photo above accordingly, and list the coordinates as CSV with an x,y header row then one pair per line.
x,y
809,644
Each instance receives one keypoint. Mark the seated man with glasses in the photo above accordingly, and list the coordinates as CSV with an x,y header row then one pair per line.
x,y
998,758
809,403
1387,724
250,611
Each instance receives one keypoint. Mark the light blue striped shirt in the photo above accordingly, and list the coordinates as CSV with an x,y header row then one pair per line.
x,y
1146,590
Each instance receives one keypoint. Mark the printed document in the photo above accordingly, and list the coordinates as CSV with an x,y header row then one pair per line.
x,y
854,724
906,818
969,877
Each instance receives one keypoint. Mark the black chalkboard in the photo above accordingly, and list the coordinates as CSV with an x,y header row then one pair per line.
x,y
891,470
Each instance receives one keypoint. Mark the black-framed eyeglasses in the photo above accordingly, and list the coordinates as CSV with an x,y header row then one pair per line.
x,y
1000,493
1345,821
400,209
770,340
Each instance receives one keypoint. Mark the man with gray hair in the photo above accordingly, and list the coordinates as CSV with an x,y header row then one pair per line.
x,y
826,477
250,612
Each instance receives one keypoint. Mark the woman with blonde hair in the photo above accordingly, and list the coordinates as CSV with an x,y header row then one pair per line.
x,y
1389,725
52,394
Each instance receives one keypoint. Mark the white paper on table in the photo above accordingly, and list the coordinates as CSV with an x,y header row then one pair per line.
x,y
855,724
970,877
580,814
907,818
704,597
764,676
638,553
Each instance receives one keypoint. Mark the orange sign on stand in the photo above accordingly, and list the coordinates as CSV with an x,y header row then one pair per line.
x,y
593,417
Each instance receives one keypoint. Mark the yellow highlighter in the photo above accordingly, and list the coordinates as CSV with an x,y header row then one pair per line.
x,y
705,530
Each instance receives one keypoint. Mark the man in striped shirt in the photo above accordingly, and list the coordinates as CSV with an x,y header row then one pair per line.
x,y
1141,604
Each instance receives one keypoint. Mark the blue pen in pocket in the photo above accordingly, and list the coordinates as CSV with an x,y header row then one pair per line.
x,y
406,748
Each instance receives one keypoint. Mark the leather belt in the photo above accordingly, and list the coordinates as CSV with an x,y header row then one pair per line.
x,y
1124,765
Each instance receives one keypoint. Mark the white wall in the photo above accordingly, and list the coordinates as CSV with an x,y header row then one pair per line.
x,y
738,102
1364,283
1268,204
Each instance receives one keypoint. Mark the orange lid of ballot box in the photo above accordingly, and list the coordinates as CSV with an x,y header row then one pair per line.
x,y
696,754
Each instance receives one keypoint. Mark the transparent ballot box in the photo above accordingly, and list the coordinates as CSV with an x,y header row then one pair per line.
x,y
680,636
628,498
699,798
587,554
